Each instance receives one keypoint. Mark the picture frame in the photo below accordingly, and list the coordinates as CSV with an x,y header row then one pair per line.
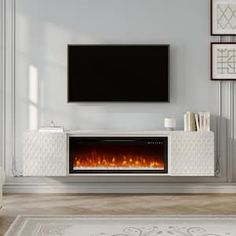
x,y
223,17
223,61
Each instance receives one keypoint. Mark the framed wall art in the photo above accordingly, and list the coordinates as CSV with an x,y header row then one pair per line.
x,y
223,61
223,17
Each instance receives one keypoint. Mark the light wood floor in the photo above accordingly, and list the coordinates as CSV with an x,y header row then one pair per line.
x,y
71,204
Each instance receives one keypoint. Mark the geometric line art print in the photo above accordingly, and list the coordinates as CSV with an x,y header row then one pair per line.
x,y
223,17
226,61
223,61
226,16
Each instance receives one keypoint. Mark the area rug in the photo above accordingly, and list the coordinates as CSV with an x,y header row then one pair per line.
x,y
123,226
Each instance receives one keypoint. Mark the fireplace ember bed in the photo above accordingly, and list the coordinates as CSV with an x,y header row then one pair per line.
x,y
118,155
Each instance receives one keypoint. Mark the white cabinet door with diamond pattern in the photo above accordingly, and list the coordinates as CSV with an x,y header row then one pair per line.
x,y
192,154
44,154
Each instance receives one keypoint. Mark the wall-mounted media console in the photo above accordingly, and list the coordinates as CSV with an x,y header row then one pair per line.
x,y
175,153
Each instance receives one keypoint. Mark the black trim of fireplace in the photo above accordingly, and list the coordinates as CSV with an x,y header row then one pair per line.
x,y
120,139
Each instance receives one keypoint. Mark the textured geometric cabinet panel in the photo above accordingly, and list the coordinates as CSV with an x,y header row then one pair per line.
x,y
192,154
44,154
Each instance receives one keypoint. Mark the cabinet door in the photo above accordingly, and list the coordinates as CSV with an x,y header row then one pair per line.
x,y
192,154
44,154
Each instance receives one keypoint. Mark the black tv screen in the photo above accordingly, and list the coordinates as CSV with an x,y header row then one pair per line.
x,y
133,73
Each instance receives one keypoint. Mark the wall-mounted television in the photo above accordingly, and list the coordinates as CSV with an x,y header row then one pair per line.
x,y
118,73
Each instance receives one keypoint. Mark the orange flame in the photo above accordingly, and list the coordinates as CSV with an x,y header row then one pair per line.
x,y
95,159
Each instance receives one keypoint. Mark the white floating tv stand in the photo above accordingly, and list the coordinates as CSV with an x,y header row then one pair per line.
x,y
189,153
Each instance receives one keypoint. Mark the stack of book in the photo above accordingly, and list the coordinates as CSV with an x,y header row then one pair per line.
x,y
197,121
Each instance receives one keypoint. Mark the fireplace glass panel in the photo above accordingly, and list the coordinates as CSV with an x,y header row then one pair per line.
x,y
117,155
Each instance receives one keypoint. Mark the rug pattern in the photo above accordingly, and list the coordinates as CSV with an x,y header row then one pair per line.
x,y
123,226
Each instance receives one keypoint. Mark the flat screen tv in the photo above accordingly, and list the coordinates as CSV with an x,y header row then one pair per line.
x,y
119,73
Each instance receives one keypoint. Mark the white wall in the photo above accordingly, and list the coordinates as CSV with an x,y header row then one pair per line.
x,y
44,28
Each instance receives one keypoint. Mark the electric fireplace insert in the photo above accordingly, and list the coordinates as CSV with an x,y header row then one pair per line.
x,y
118,155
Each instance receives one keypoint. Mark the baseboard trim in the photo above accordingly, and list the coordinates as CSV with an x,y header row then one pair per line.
x,y
122,188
